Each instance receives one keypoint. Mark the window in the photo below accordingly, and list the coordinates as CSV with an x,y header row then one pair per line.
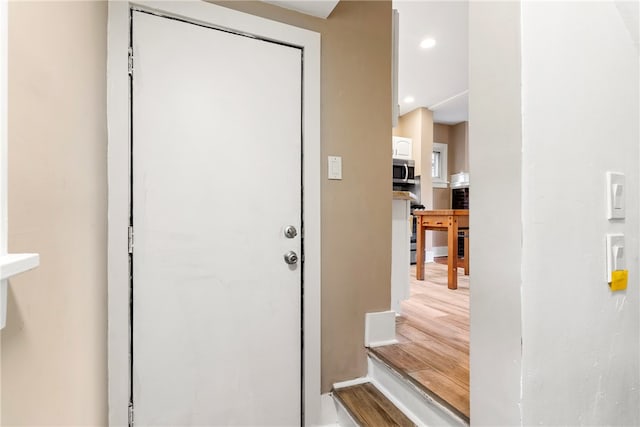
x,y
435,164
439,165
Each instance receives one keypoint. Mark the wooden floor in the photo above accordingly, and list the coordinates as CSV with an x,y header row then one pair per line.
x,y
433,335
369,407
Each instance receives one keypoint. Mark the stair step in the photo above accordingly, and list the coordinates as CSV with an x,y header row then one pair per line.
x,y
447,393
415,401
369,407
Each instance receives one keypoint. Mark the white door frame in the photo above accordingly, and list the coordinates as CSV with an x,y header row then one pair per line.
x,y
118,123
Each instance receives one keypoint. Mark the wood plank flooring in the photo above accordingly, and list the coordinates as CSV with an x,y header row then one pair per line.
x,y
371,408
433,335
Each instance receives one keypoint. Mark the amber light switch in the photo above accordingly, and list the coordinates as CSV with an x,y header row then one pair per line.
x,y
616,260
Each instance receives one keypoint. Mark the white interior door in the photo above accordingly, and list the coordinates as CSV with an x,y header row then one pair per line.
x,y
216,164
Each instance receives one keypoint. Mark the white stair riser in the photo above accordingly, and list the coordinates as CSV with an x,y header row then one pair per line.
x,y
415,404
344,417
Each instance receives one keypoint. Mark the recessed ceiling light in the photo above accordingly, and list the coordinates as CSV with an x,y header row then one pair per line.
x,y
409,99
428,43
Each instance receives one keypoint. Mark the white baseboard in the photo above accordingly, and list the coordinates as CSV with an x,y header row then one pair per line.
x,y
382,343
349,383
344,418
428,256
328,411
380,328
439,251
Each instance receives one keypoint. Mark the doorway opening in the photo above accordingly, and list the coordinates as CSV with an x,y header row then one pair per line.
x,y
432,323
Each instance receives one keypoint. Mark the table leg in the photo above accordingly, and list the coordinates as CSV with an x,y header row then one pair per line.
x,y
466,253
452,257
419,249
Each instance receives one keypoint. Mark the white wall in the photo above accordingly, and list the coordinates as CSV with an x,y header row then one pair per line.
x,y
580,119
550,344
495,168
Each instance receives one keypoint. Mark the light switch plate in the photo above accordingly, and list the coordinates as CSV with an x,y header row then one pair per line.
x,y
615,195
616,257
335,167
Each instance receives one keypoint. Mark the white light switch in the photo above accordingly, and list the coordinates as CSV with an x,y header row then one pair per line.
x,y
615,195
615,254
335,167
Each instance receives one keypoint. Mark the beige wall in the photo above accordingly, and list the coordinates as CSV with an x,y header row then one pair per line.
x,y
410,126
441,133
441,196
456,138
54,345
356,212
459,148
418,125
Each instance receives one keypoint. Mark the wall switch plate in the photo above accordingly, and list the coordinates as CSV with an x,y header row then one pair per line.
x,y
335,167
615,195
616,259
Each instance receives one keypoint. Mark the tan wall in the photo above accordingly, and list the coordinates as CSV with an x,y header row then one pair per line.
x,y
418,125
427,148
54,344
441,196
456,138
356,212
54,347
410,126
441,133
459,148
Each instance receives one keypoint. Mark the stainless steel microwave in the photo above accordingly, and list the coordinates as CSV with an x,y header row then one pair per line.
x,y
404,171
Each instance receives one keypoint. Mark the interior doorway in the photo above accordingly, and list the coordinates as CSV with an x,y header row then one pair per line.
x,y
433,328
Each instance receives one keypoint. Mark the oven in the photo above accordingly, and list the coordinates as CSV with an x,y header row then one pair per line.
x,y
460,200
414,234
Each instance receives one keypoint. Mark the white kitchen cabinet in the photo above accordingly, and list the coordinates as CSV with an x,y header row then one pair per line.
x,y
402,148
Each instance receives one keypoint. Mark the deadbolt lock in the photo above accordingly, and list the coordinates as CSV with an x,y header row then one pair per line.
x,y
290,231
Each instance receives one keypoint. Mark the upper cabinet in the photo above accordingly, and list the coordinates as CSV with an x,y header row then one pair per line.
x,y
402,148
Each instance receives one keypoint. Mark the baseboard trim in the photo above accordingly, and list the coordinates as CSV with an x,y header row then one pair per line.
x,y
428,256
382,343
439,251
343,415
328,410
379,328
349,383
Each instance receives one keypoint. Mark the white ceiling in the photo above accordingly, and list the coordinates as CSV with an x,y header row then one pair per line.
x,y
438,77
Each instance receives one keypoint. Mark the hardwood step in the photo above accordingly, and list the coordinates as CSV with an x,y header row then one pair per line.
x,y
418,394
370,408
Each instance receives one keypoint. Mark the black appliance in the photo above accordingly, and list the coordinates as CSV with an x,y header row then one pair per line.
x,y
460,200
414,226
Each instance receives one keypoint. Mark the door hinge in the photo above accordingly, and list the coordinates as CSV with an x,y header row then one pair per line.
x,y
130,61
130,232
130,413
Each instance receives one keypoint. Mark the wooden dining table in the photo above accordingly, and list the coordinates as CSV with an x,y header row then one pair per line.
x,y
452,221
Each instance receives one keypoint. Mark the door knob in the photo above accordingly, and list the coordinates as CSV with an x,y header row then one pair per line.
x,y
291,258
290,231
